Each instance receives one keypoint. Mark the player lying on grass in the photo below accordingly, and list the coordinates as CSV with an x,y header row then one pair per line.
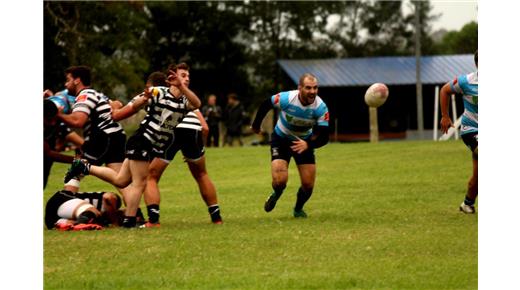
x,y
71,210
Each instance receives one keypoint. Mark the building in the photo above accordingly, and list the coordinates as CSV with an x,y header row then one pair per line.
x,y
343,83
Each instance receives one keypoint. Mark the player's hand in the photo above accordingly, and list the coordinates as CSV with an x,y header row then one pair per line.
x,y
47,93
116,105
299,146
445,124
172,79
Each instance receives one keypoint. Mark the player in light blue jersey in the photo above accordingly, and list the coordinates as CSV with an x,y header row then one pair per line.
x,y
302,126
467,86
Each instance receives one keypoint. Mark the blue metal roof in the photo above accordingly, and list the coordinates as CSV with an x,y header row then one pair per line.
x,y
365,71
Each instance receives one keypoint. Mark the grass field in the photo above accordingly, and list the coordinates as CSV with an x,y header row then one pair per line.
x,y
382,216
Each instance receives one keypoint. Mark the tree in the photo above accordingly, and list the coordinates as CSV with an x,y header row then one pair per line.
x,y
459,42
110,37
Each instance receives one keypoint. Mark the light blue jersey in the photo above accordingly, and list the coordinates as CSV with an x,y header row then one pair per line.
x,y
296,119
467,85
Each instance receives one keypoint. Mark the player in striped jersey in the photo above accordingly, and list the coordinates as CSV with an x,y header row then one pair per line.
x,y
467,86
188,139
302,126
104,138
71,210
164,112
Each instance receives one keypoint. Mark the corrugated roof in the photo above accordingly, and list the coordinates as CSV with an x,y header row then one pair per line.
x,y
398,70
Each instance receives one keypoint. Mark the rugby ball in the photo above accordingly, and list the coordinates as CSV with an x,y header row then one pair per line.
x,y
376,95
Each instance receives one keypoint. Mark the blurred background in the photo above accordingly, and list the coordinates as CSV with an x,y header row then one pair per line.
x,y
258,48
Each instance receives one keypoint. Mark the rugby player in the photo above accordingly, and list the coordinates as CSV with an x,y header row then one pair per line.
x,y
104,138
467,86
188,138
164,112
70,210
302,126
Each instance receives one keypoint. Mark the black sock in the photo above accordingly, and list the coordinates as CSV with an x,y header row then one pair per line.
x,y
301,198
153,213
469,201
279,190
214,212
129,221
139,215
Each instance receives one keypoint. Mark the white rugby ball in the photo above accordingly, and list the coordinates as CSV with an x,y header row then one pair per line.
x,y
376,95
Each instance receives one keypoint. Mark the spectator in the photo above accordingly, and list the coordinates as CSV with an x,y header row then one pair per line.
x,y
212,114
234,116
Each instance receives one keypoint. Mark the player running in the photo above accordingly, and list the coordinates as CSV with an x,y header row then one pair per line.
x,y
302,126
467,85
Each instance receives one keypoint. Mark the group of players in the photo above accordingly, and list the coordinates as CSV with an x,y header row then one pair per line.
x,y
173,123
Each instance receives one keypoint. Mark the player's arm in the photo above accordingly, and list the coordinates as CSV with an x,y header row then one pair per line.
x,y
75,119
264,108
55,155
75,138
320,137
205,127
445,93
132,107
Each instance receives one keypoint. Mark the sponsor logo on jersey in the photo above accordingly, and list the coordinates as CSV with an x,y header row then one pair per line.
x,y
277,99
82,98
326,116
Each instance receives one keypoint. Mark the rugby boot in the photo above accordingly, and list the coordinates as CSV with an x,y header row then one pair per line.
x,y
270,203
78,169
299,213
467,208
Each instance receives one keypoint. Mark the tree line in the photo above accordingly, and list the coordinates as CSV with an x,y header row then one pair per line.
x,y
230,46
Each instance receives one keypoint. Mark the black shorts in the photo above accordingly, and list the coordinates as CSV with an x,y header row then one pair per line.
x,y
103,148
51,208
471,140
281,149
139,147
189,141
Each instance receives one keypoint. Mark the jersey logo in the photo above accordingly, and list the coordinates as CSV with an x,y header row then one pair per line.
x,y
326,116
81,98
277,99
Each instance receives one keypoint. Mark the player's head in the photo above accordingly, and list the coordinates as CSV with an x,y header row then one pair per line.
x,y
308,87
156,79
475,58
212,100
183,72
77,77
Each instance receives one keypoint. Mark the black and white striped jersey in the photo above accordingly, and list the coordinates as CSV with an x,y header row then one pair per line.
x,y
191,121
97,107
164,113
94,198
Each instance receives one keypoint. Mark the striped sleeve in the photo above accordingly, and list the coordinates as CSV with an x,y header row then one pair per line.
x,y
322,113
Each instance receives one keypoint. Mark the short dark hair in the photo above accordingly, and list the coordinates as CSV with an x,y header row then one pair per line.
x,y
82,72
233,96
475,57
158,79
175,67
304,76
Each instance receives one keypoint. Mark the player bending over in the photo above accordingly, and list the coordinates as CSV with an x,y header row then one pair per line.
x,y
302,126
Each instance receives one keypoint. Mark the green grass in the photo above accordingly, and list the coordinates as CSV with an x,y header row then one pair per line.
x,y
382,216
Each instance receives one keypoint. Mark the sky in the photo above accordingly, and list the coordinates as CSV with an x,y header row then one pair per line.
x,y
455,14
